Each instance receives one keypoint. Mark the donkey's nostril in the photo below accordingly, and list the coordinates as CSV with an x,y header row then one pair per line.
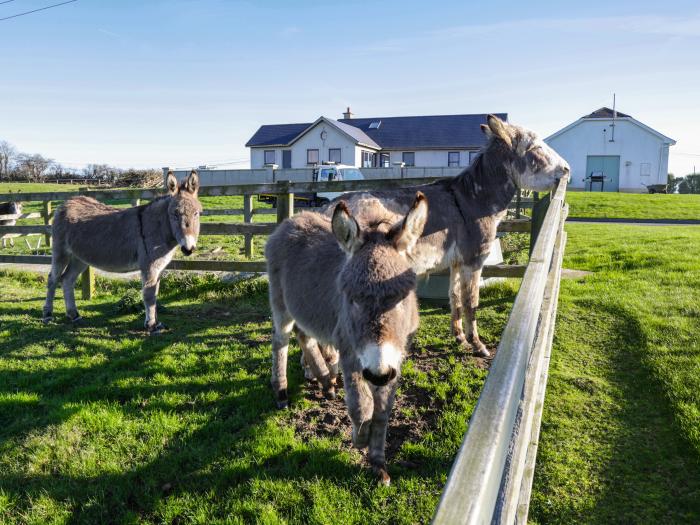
x,y
381,379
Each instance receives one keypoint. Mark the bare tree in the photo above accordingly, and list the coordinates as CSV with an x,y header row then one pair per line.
x,y
33,166
7,154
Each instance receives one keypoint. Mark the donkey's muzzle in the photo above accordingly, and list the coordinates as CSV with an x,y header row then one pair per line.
x,y
379,380
187,251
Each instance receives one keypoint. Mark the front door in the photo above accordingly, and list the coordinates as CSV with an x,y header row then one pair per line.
x,y
286,159
609,167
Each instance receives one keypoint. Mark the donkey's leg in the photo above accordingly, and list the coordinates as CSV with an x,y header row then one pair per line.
x,y
70,275
150,281
358,399
282,329
330,354
383,402
59,261
456,304
314,359
470,297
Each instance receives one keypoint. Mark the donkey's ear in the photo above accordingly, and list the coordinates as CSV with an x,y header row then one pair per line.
x,y
498,129
412,226
192,183
171,183
345,228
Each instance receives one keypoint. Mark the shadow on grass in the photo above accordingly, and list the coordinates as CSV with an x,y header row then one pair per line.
x,y
648,472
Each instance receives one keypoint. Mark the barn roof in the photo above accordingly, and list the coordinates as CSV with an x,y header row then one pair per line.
x,y
606,113
417,132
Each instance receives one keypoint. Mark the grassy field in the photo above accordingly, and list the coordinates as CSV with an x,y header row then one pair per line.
x,y
633,206
620,440
106,425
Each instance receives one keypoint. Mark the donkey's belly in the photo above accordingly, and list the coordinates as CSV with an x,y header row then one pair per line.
x,y
107,260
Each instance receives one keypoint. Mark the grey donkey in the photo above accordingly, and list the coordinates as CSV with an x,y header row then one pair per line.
x,y
89,233
9,208
466,210
362,303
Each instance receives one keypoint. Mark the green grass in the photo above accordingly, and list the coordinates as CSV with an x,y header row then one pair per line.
x,y
633,206
620,439
106,425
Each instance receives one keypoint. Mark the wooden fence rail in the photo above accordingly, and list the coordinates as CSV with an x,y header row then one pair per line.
x,y
491,477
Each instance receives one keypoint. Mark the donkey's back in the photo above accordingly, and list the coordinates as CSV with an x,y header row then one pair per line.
x,y
100,235
303,259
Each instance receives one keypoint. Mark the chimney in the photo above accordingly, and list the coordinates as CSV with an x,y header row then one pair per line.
x,y
347,114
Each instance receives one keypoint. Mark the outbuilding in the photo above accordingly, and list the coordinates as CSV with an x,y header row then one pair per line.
x,y
612,151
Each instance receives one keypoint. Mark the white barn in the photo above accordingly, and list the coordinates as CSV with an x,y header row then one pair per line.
x,y
611,151
378,142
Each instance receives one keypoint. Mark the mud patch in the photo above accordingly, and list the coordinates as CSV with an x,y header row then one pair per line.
x,y
415,412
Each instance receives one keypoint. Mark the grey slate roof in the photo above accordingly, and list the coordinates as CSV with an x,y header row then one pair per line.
x,y
605,113
406,133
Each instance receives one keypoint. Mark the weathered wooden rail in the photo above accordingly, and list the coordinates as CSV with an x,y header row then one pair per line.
x,y
284,191
491,477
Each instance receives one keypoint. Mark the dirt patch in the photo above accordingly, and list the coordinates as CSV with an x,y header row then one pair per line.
x,y
415,410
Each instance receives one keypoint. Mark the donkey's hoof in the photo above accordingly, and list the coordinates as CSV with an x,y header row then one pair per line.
x,y
77,320
156,328
47,319
282,399
481,352
383,477
329,393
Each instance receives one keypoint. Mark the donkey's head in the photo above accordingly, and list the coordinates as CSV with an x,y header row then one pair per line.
x,y
184,210
531,164
379,310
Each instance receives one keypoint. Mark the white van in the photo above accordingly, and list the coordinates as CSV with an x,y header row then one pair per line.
x,y
333,172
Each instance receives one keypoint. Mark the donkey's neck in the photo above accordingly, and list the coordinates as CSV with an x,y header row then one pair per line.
x,y
484,188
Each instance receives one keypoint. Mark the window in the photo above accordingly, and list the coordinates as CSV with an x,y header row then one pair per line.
x,y
409,158
645,169
384,160
269,156
312,156
453,159
472,156
334,155
369,159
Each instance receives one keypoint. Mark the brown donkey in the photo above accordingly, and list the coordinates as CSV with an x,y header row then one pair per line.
x,y
465,212
363,303
89,233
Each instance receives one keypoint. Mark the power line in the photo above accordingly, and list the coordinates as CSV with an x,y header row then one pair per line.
x,y
6,2
35,10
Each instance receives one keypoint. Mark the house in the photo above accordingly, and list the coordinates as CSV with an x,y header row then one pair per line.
x,y
424,141
612,151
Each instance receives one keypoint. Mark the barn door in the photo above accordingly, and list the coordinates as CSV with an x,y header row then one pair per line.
x,y
286,159
609,166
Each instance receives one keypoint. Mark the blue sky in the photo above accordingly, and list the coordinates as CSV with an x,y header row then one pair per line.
x,y
183,83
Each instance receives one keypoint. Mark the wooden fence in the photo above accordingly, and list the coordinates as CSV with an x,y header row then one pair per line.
x,y
284,191
491,477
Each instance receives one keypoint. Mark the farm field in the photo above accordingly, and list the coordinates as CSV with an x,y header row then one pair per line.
x,y
104,424
633,206
620,440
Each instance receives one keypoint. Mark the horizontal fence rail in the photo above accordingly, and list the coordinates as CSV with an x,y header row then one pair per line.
x,y
491,477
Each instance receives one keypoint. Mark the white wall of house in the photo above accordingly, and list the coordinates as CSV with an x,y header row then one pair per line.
x,y
640,151
349,152
432,158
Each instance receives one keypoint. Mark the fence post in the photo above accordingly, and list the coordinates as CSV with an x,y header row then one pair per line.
x,y
248,217
539,210
518,203
48,219
88,282
285,202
